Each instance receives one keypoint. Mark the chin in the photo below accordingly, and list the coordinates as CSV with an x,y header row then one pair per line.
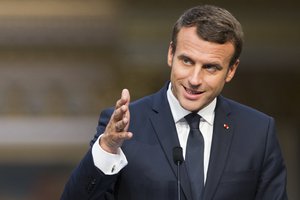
x,y
194,109
190,107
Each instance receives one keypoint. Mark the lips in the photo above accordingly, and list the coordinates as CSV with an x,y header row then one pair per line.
x,y
192,92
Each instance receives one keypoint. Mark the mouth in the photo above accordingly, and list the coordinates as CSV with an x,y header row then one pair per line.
x,y
192,92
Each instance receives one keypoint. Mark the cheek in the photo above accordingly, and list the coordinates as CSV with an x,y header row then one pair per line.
x,y
178,72
214,83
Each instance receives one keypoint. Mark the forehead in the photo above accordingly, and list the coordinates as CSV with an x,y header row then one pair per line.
x,y
189,43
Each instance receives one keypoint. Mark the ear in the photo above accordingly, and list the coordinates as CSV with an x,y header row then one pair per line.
x,y
170,54
231,71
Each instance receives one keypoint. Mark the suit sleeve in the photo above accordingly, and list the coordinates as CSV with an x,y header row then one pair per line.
x,y
87,181
272,182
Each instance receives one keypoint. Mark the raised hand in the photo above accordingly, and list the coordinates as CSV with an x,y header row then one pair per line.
x,y
117,128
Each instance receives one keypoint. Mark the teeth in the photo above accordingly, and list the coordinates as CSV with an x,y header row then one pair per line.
x,y
192,92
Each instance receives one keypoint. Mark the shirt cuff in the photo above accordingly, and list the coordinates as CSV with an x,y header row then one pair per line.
x,y
108,163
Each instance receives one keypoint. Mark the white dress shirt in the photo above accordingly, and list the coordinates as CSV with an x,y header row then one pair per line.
x,y
206,125
112,163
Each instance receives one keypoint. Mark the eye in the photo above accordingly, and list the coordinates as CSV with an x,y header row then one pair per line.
x,y
186,60
212,68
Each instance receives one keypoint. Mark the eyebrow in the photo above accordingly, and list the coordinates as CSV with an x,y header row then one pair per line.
x,y
183,56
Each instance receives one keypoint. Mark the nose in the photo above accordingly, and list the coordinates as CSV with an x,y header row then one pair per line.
x,y
195,77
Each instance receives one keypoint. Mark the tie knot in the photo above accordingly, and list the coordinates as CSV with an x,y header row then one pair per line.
x,y
193,119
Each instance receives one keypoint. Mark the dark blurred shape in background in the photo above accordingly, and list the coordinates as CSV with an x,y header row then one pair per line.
x,y
61,62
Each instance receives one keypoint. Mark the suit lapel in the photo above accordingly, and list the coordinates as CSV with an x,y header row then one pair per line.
x,y
222,136
162,122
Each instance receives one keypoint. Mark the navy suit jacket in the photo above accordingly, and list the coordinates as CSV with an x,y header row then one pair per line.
x,y
245,161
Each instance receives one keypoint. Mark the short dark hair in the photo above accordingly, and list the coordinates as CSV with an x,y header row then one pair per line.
x,y
214,24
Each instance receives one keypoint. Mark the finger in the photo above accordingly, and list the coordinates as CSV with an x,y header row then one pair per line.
x,y
121,125
120,113
120,103
125,98
124,136
126,95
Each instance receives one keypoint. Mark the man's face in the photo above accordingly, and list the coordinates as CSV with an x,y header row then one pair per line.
x,y
199,69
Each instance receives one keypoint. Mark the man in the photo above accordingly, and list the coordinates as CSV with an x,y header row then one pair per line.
x,y
239,156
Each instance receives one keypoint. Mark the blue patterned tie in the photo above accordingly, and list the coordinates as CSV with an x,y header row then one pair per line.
x,y
194,156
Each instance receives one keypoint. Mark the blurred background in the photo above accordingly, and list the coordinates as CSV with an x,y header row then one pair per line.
x,y
63,61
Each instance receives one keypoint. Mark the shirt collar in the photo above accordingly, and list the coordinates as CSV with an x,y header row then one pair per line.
x,y
178,112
